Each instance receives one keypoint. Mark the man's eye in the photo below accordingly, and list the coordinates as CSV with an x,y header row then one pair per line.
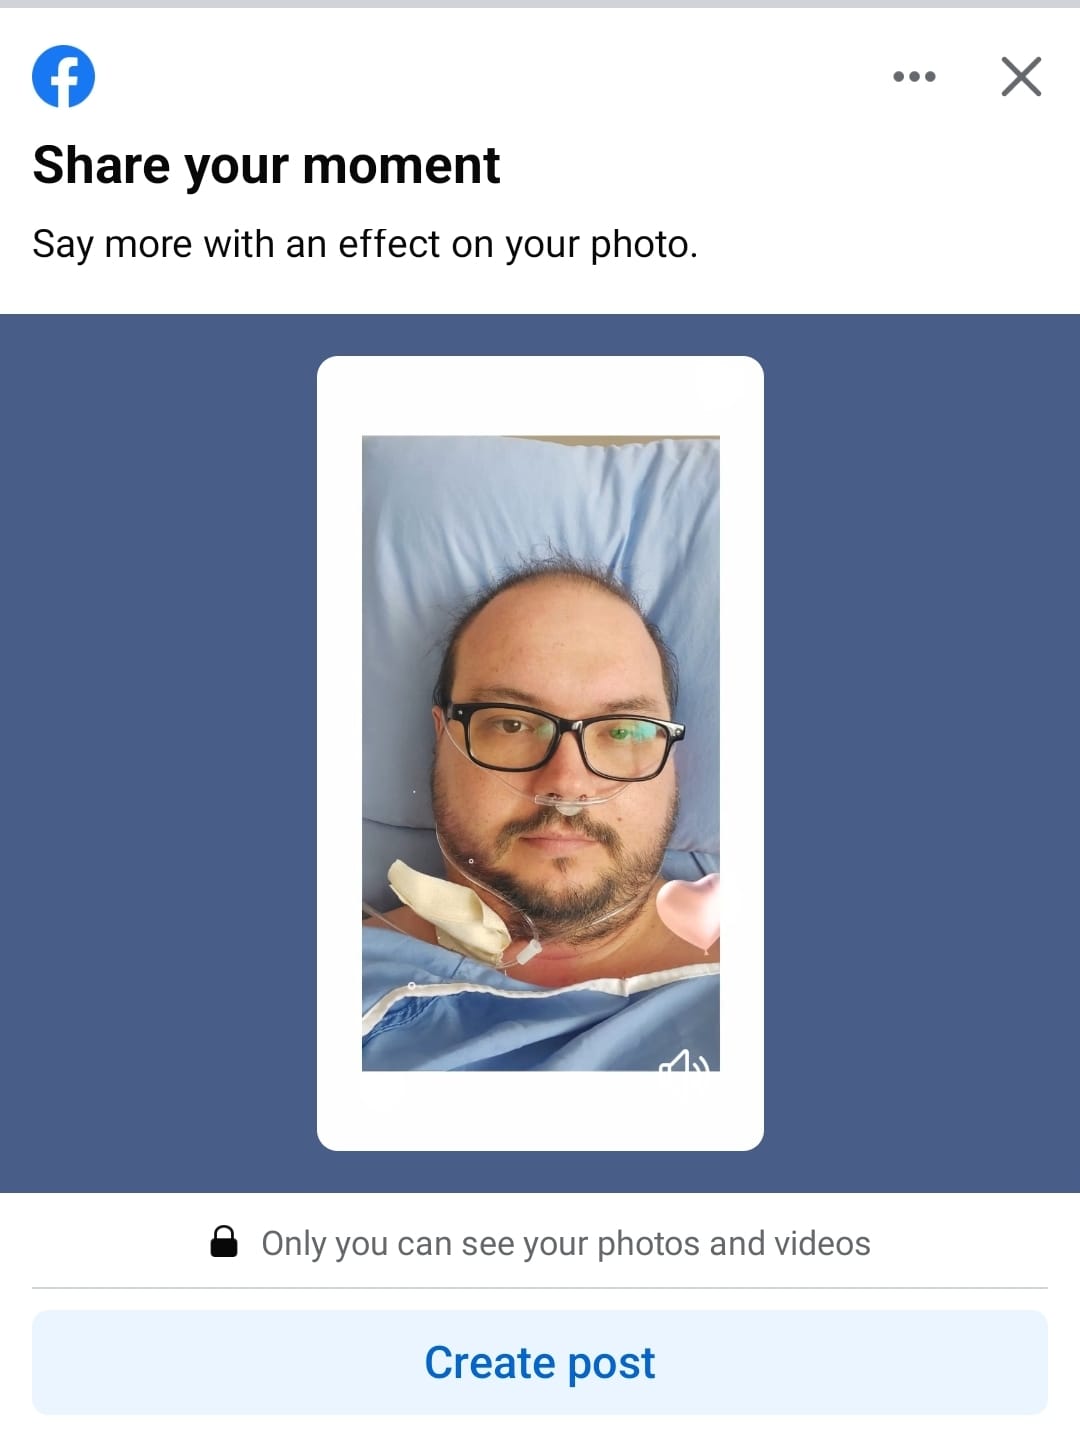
x,y
515,726
632,731
532,726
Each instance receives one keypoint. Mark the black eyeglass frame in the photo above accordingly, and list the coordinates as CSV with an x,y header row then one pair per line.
x,y
464,712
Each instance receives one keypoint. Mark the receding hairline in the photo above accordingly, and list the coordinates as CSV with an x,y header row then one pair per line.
x,y
574,573
571,579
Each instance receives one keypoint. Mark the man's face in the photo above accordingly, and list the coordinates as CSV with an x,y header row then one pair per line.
x,y
575,650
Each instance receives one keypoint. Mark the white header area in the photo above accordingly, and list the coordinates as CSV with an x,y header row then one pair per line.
x,y
777,148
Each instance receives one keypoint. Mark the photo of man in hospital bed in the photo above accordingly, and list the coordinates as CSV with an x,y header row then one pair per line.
x,y
547,934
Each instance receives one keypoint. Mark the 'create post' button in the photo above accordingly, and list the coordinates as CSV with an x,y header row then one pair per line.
x,y
454,1362
526,1364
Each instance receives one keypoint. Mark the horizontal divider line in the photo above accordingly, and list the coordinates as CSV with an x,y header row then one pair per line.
x,y
540,1288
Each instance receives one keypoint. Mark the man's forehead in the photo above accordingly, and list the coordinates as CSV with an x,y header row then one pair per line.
x,y
553,642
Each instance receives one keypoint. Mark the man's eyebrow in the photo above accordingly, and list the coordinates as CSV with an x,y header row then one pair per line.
x,y
625,705
630,706
505,693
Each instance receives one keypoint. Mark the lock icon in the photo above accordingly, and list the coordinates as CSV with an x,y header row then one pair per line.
x,y
223,1247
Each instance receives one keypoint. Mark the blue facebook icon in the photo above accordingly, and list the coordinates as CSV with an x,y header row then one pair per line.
x,y
63,76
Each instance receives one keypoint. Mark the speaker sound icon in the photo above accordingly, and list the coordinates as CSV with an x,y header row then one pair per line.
x,y
681,1064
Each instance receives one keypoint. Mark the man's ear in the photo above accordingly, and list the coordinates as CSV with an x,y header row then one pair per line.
x,y
439,720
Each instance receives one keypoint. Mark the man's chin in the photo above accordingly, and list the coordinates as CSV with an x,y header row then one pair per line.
x,y
562,905
555,868
561,880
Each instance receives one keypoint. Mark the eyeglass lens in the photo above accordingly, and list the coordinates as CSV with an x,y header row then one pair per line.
x,y
622,747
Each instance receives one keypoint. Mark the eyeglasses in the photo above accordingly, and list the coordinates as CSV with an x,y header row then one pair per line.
x,y
522,738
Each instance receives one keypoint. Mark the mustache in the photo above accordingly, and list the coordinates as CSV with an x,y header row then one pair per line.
x,y
548,817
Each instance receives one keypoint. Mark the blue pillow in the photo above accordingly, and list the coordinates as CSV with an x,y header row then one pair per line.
x,y
445,516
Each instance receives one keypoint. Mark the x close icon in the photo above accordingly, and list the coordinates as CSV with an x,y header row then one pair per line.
x,y
1021,75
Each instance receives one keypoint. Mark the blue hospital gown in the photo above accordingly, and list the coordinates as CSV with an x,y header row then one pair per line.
x,y
427,1008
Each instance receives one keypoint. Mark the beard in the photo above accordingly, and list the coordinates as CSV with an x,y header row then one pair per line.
x,y
567,912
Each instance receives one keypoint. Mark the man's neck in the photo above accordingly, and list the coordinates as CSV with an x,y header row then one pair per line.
x,y
643,945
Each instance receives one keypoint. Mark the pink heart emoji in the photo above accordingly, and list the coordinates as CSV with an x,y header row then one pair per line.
x,y
691,909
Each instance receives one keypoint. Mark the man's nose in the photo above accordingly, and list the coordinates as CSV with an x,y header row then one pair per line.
x,y
565,774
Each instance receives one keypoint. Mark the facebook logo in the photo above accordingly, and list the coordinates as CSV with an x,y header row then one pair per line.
x,y
63,76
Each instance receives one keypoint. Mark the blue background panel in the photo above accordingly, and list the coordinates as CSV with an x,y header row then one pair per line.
x,y
157,604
